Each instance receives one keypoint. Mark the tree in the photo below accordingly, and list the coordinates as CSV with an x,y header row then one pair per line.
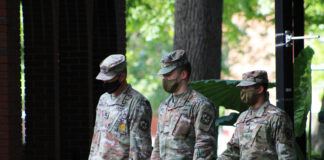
x,y
198,30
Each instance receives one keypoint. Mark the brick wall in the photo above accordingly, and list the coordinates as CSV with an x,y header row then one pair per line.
x,y
10,100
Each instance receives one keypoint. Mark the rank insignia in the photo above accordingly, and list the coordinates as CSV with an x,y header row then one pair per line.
x,y
122,127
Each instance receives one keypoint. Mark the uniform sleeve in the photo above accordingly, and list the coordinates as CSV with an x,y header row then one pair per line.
x,y
232,151
156,147
94,141
140,131
284,138
205,132
95,137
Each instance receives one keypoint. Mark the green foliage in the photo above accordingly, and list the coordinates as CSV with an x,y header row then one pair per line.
x,y
302,93
227,120
233,33
149,37
22,62
314,14
302,89
249,9
263,10
299,152
317,155
318,59
222,92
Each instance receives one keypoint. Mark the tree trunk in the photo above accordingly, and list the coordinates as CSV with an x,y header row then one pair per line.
x,y
198,30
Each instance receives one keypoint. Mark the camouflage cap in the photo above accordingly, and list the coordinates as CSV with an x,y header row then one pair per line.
x,y
172,61
253,77
111,66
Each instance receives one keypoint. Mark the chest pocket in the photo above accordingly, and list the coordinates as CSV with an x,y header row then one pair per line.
x,y
182,125
253,133
104,119
121,125
261,137
117,120
111,121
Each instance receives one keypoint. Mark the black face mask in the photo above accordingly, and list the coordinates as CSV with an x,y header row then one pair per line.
x,y
112,86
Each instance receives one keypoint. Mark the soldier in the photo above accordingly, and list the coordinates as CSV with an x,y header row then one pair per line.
x,y
186,127
264,131
123,120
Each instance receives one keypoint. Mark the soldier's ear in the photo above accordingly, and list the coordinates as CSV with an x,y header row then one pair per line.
x,y
260,89
122,77
184,74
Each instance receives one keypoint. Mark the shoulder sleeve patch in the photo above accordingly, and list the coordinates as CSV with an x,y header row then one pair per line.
x,y
206,117
143,125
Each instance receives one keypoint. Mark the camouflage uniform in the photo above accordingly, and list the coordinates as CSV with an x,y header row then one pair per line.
x,y
186,127
122,127
264,133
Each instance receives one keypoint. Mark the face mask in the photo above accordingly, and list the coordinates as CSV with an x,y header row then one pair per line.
x,y
170,86
249,97
112,86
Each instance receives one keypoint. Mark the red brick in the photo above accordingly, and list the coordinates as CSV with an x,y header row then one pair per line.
x,y
4,112
3,44
3,28
4,105
3,13
3,36
3,21
4,136
3,90
3,128
3,83
3,5
4,157
4,98
4,143
3,67
3,120
3,75
3,59
4,150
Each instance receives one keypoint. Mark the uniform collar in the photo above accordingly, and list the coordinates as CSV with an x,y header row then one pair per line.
x,y
259,112
122,94
176,101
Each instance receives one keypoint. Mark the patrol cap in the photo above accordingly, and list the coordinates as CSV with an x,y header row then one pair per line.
x,y
172,61
254,77
111,66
